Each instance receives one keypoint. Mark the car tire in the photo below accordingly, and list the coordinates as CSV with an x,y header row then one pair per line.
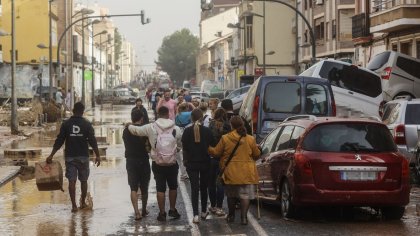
x,y
287,207
393,213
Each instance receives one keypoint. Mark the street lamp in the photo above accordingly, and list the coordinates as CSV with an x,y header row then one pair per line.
x,y
14,125
93,73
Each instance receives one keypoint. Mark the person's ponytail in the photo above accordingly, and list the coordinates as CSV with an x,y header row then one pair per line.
x,y
196,116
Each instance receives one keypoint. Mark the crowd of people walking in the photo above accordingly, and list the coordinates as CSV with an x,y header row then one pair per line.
x,y
186,138
206,144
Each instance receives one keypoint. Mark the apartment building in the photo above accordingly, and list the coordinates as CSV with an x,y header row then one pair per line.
x,y
382,25
32,40
331,21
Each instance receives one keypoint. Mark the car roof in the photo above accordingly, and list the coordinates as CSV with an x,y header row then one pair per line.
x,y
305,122
293,77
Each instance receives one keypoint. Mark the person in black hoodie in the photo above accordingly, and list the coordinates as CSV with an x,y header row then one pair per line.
x,y
139,106
137,164
195,141
77,133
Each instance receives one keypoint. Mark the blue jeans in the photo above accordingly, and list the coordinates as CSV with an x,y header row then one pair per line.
x,y
216,191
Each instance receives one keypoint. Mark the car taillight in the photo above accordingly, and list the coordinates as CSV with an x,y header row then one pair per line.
x,y
399,135
386,73
255,109
304,167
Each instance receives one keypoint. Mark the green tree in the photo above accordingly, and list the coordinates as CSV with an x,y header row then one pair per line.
x,y
177,55
118,44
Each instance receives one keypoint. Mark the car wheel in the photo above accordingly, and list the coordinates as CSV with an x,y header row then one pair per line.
x,y
287,208
393,213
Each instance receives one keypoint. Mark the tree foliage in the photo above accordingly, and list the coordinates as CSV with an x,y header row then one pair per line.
x,y
177,55
118,44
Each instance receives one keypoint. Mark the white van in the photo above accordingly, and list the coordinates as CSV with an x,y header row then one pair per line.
x,y
357,91
400,74
186,84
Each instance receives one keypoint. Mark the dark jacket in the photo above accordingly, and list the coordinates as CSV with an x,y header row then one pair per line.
x,y
145,115
77,133
195,154
135,146
219,128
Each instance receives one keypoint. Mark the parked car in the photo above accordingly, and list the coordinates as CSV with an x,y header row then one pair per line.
x,y
399,72
203,97
357,91
237,96
116,96
271,99
402,116
329,161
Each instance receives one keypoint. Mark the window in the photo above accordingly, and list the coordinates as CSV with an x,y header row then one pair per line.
x,y
248,30
319,29
297,132
406,48
267,146
378,61
350,137
316,100
394,47
305,4
391,112
334,29
284,139
412,114
305,36
409,66
418,49
351,78
288,93
327,30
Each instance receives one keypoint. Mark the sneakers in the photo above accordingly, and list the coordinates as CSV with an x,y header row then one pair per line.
x,y
174,213
220,212
204,215
213,210
161,217
196,220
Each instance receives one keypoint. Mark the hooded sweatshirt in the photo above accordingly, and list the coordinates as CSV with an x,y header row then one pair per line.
x,y
150,132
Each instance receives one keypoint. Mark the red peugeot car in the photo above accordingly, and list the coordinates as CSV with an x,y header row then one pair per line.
x,y
313,161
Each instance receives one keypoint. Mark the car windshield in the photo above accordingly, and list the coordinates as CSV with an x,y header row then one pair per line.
x,y
378,61
412,114
282,97
349,137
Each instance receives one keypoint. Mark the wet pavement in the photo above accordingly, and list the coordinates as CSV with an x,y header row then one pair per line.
x,y
26,211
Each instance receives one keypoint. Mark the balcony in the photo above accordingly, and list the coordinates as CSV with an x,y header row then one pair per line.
x,y
394,15
360,28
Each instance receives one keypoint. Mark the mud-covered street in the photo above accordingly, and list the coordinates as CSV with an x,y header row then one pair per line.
x,y
26,211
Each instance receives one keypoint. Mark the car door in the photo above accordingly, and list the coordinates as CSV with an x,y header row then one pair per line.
x,y
266,147
278,163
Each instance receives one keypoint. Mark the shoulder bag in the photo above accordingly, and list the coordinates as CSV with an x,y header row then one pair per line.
x,y
220,180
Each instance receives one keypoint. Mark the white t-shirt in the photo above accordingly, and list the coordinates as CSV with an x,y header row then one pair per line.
x,y
59,97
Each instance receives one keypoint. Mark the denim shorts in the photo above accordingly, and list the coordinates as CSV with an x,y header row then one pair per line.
x,y
77,169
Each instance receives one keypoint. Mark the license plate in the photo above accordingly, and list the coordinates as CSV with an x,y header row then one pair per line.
x,y
359,175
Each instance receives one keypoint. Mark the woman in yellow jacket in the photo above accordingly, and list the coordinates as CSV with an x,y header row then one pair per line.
x,y
240,175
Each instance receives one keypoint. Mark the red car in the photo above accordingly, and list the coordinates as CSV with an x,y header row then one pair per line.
x,y
314,161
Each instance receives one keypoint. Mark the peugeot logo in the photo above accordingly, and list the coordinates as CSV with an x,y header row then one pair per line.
x,y
358,157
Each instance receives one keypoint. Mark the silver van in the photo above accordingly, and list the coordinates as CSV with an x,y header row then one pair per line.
x,y
400,74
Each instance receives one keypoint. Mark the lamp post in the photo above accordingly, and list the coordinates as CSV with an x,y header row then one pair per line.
x,y
14,125
93,73
237,26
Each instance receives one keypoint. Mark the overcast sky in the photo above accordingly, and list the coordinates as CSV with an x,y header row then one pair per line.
x,y
167,16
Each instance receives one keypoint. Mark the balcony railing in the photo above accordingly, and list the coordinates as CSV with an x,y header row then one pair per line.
x,y
360,26
383,5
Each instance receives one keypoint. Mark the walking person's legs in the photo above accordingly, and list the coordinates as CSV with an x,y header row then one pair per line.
x,y
160,178
194,181
72,193
144,187
179,158
172,180
220,195
204,181
212,185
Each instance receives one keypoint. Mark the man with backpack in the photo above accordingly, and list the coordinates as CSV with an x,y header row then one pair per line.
x,y
165,138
